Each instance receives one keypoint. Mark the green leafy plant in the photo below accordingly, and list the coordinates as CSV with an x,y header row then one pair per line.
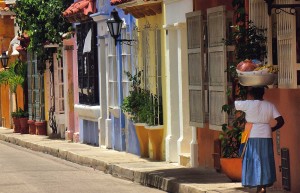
x,y
153,110
142,105
14,76
43,21
22,113
19,113
250,43
15,114
134,103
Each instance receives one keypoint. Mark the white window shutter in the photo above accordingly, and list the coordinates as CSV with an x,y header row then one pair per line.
x,y
217,64
258,14
56,81
194,22
286,49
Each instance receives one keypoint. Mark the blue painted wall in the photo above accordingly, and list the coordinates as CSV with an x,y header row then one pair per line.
x,y
133,142
118,123
89,132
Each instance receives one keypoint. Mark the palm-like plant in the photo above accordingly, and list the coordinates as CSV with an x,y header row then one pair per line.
x,y
14,76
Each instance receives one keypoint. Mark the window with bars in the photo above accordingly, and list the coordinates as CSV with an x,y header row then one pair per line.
x,y
87,63
151,66
283,40
128,61
36,103
59,85
112,73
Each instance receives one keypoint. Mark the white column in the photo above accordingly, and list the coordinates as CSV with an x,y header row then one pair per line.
x,y
194,148
102,123
173,121
185,130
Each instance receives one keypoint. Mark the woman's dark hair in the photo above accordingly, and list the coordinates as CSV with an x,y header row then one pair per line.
x,y
257,92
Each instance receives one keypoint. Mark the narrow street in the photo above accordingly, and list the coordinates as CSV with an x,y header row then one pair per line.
x,y
26,171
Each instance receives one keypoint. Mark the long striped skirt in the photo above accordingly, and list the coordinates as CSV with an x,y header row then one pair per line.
x,y
258,163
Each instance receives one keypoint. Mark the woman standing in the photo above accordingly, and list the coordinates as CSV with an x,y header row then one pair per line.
x,y
258,161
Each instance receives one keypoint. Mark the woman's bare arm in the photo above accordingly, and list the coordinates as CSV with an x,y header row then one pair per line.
x,y
279,124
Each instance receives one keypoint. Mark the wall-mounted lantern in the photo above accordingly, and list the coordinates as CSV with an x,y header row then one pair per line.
x,y
280,7
114,24
4,59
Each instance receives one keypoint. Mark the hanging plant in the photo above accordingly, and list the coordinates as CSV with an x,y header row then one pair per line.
x,y
250,42
43,22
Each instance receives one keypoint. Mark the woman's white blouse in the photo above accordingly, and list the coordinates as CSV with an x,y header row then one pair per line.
x,y
260,113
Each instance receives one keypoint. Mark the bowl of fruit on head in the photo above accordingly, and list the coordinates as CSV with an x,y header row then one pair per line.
x,y
253,73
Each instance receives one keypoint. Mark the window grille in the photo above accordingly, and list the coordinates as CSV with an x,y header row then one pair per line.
x,y
36,103
59,85
112,73
286,47
129,59
30,72
151,67
87,64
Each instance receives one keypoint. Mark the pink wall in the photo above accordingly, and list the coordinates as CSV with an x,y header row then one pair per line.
x,y
75,86
204,4
288,104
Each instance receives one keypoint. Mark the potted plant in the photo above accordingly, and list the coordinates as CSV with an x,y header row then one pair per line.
x,y
230,161
250,44
133,108
154,114
24,121
16,121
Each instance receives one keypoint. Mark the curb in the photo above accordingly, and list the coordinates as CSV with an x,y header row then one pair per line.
x,y
160,175
150,178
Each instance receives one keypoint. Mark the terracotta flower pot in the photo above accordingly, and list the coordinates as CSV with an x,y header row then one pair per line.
x,y
232,168
24,125
142,135
32,129
155,134
41,127
17,125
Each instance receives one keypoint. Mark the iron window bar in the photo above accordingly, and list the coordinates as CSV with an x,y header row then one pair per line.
x,y
280,7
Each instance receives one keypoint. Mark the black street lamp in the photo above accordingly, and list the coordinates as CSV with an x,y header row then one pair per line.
x,y
4,59
114,24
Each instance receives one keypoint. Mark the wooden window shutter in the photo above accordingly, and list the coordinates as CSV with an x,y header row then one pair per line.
x,y
217,63
194,22
56,82
59,84
286,49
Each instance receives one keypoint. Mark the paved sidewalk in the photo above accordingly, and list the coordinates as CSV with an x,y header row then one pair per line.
x,y
161,175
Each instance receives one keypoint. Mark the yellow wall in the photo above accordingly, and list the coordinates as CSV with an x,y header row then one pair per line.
x,y
156,20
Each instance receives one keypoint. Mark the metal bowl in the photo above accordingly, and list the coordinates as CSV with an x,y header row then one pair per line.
x,y
257,79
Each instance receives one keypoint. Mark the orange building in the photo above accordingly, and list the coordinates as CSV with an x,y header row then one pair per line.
x,y
283,52
7,33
